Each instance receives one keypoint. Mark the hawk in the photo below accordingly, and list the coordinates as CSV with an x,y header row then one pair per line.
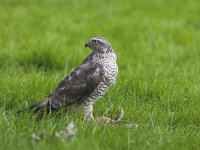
x,y
87,83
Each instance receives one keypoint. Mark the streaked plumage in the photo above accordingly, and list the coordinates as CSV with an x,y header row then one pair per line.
x,y
87,83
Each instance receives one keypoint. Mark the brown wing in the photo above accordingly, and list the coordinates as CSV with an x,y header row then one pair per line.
x,y
78,85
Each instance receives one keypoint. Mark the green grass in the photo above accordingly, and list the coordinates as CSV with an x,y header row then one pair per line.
x,y
158,49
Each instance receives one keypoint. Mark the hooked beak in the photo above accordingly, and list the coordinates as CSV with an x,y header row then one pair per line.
x,y
86,45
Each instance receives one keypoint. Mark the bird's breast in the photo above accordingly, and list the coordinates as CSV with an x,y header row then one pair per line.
x,y
111,70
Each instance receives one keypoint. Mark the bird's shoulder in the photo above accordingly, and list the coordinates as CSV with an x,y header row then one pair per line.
x,y
88,74
87,69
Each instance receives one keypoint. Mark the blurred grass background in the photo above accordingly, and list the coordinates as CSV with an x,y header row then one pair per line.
x,y
157,44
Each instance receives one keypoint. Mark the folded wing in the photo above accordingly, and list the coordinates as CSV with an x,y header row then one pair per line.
x,y
74,88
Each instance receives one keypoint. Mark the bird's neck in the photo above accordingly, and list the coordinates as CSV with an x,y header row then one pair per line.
x,y
101,55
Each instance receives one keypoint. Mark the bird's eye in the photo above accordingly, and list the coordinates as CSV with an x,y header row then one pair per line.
x,y
95,42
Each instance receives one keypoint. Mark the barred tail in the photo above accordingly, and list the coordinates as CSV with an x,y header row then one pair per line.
x,y
47,105
39,106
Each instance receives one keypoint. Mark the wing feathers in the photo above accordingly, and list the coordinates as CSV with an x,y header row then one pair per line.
x,y
76,87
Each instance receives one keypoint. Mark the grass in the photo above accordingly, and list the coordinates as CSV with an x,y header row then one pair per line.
x,y
157,44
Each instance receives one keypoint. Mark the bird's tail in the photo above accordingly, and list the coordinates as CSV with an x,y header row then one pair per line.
x,y
47,105
38,107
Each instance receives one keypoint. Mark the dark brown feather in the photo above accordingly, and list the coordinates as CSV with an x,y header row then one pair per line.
x,y
75,88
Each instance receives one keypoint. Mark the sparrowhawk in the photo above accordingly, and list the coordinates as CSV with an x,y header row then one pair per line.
x,y
87,83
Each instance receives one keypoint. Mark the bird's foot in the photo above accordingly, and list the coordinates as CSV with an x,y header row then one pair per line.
x,y
106,119
103,119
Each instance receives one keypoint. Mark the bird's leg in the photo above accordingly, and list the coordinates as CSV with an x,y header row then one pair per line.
x,y
88,113
88,110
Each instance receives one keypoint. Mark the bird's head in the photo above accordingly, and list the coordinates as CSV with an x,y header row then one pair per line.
x,y
99,44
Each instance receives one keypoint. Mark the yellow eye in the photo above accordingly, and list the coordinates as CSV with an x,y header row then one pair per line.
x,y
95,42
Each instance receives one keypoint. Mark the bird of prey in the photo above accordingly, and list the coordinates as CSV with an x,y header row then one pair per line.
x,y
87,83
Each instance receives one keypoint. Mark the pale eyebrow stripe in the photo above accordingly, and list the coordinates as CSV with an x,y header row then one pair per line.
x,y
100,40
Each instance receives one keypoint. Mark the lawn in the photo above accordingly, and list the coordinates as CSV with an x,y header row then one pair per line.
x,y
158,47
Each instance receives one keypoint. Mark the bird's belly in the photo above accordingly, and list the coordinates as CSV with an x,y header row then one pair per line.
x,y
111,74
111,70
100,91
